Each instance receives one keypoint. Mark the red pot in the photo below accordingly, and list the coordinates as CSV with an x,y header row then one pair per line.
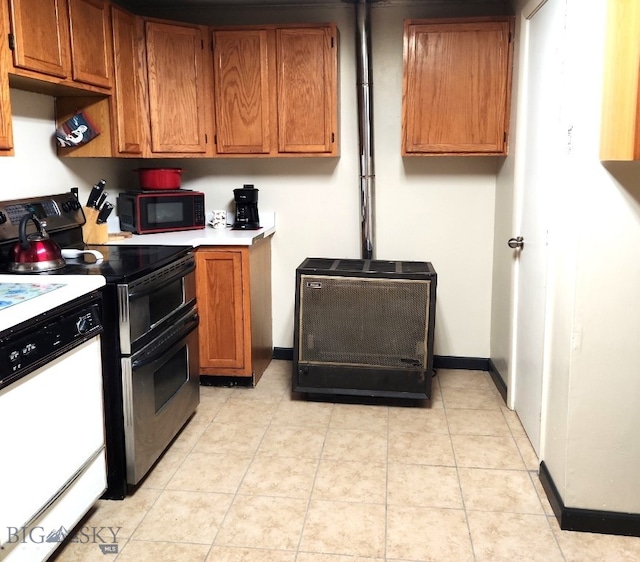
x,y
159,178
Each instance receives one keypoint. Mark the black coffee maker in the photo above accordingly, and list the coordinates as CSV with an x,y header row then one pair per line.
x,y
247,217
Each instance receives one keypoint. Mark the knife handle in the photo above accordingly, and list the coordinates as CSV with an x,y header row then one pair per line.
x,y
104,213
101,199
96,191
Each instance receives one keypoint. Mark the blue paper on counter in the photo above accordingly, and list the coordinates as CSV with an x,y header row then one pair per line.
x,y
76,131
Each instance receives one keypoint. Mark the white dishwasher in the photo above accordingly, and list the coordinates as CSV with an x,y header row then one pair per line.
x,y
51,414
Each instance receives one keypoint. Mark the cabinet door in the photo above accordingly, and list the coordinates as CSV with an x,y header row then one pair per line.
x,y
90,31
242,92
40,33
176,88
220,286
456,87
307,89
620,125
128,43
6,132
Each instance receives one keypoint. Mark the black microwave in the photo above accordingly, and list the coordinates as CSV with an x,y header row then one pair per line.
x,y
145,212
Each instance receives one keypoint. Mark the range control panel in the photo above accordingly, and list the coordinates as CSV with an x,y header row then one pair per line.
x,y
60,212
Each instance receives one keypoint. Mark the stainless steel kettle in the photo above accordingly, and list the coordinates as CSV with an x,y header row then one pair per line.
x,y
36,252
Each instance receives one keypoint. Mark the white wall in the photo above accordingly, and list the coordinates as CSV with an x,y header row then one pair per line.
x,y
603,449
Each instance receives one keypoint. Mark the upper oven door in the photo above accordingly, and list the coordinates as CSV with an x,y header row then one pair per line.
x,y
147,306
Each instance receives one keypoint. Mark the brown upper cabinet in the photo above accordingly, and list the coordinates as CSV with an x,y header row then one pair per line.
x,y
620,128
158,109
243,97
90,35
274,94
6,130
127,103
456,86
63,42
177,86
276,90
307,91
40,36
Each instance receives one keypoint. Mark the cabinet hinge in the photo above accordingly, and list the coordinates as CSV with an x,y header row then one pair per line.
x,y
12,42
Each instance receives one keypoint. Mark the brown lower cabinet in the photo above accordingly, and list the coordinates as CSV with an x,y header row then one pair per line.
x,y
233,288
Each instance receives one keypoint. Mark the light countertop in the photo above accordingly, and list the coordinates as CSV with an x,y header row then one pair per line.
x,y
45,293
207,236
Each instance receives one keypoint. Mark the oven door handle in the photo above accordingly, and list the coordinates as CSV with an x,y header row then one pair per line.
x,y
167,340
148,288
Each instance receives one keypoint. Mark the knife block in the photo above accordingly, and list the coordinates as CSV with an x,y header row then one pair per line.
x,y
92,232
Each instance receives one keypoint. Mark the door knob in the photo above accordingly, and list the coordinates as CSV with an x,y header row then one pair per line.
x,y
517,242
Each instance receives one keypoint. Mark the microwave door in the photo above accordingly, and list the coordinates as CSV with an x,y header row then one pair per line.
x,y
147,213
168,212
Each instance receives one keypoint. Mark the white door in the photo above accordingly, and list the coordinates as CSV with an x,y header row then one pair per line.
x,y
539,149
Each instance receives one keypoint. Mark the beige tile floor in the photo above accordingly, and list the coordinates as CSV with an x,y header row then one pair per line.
x,y
259,476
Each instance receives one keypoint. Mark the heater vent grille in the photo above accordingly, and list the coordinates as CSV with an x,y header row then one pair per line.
x,y
368,322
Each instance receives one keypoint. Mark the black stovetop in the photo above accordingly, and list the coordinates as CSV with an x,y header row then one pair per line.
x,y
126,263
121,264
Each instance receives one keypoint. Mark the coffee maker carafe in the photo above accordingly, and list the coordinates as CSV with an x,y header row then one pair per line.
x,y
247,217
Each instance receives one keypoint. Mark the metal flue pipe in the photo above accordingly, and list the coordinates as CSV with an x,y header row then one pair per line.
x,y
365,124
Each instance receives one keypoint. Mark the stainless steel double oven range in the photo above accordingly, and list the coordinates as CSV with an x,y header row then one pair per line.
x,y
149,344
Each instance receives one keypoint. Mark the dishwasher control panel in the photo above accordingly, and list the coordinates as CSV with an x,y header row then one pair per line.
x,y
38,342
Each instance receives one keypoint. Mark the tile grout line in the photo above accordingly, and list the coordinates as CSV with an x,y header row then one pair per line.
x,y
386,489
235,494
313,484
455,460
215,536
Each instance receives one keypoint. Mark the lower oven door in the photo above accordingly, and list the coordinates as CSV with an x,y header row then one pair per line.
x,y
160,393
